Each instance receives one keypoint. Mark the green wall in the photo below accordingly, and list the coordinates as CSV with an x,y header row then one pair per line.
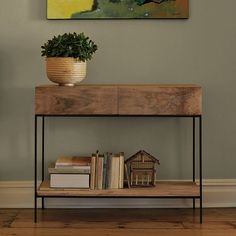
x,y
199,50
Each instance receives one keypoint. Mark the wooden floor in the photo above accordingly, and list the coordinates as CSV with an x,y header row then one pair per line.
x,y
118,222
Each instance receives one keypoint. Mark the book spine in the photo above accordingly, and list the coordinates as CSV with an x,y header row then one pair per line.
x,y
71,165
68,171
115,171
121,170
108,171
69,181
104,172
97,169
93,172
100,173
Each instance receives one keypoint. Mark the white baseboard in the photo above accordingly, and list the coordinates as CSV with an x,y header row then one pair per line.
x,y
216,193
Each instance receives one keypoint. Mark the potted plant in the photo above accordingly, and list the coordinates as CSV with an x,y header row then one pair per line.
x,y
67,56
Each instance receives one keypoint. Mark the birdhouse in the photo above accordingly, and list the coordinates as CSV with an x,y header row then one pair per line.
x,y
141,169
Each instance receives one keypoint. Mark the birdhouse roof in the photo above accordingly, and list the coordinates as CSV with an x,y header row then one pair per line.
x,y
141,153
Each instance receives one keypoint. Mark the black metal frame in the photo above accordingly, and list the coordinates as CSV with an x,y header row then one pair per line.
x,y
36,196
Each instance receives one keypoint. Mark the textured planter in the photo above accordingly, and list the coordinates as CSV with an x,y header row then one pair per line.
x,y
65,71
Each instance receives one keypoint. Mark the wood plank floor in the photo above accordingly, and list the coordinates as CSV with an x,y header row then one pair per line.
x,y
117,222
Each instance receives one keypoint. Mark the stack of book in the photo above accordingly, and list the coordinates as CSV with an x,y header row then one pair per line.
x,y
107,171
70,172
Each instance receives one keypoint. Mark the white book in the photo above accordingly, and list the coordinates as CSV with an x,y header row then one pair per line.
x,y
69,181
114,172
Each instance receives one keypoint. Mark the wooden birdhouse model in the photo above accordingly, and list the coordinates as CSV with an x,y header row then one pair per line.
x,y
141,169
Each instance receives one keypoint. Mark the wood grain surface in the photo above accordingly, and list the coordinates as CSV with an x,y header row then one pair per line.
x,y
118,222
160,100
164,188
141,100
77,100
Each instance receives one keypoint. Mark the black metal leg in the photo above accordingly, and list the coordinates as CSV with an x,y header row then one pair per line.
x,y
43,162
35,169
43,167
194,157
194,204
200,165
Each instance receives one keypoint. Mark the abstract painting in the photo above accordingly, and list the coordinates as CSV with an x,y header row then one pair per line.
x,y
117,9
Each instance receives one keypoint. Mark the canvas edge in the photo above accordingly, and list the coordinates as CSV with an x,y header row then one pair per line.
x,y
122,18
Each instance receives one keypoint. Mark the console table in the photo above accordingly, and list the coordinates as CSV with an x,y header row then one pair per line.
x,y
184,101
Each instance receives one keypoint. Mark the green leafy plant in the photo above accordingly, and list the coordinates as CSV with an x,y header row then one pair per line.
x,y
70,45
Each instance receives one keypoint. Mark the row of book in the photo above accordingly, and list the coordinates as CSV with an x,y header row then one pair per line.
x,y
107,171
96,172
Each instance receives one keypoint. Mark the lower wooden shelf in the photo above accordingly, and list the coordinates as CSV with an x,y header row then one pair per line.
x,y
163,189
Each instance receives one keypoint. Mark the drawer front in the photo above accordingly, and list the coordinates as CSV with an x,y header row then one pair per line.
x,y
157,100
78,100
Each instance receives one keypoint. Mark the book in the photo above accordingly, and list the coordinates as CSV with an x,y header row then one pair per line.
x,y
104,172
93,172
67,170
72,161
97,171
100,172
114,172
108,169
121,174
69,181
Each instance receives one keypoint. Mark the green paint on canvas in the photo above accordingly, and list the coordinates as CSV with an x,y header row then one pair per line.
x,y
136,9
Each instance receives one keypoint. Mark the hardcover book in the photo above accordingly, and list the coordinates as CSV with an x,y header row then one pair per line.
x,y
68,170
93,172
73,161
69,180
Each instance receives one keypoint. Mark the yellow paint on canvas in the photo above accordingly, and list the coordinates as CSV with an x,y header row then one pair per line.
x,y
65,8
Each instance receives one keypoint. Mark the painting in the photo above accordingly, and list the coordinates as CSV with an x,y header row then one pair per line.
x,y
117,9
